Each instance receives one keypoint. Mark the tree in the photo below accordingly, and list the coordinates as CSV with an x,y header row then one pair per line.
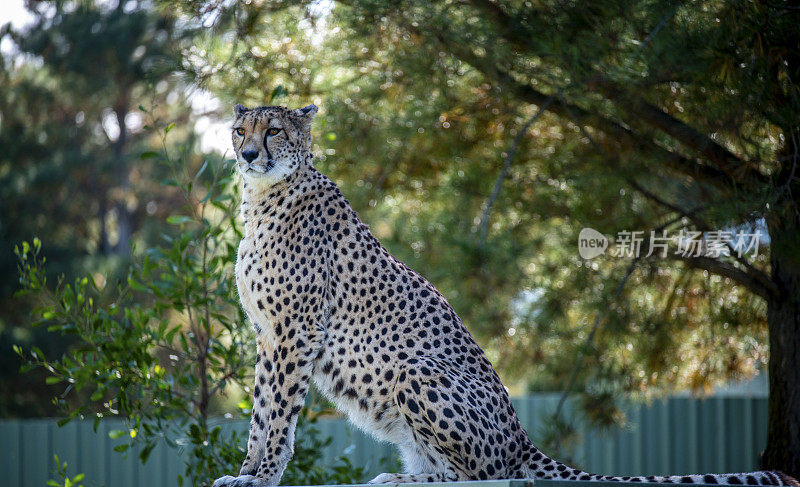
x,y
71,133
651,101
659,116
104,58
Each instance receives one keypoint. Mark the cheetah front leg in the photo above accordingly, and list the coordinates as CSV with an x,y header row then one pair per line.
x,y
286,382
261,408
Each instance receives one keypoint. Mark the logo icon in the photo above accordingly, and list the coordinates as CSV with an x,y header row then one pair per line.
x,y
591,243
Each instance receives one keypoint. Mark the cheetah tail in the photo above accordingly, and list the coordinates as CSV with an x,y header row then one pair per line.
x,y
786,479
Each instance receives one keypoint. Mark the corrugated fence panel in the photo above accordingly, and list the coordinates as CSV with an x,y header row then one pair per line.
x,y
674,436
678,435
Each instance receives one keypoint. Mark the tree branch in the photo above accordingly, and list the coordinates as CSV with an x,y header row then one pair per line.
x,y
500,177
752,273
612,128
738,170
724,269
756,273
692,214
734,167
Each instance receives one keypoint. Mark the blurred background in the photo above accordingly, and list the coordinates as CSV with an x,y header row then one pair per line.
x,y
477,139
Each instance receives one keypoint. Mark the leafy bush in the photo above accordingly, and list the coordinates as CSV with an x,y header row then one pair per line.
x,y
64,479
165,347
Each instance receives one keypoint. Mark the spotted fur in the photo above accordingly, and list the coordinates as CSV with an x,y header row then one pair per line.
x,y
331,305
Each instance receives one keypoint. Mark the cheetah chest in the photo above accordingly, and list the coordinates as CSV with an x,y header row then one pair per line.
x,y
251,283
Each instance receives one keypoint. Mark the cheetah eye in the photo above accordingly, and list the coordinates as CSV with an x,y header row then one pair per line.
x,y
240,131
273,131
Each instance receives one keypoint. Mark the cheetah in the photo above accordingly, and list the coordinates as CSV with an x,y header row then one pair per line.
x,y
330,305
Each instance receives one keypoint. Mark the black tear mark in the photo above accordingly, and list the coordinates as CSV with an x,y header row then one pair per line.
x,y
266,146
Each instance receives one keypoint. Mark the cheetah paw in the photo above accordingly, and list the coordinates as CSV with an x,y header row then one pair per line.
x,y
385,478
240,481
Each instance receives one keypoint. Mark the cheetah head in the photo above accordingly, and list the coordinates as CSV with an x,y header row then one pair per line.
x,y
271,142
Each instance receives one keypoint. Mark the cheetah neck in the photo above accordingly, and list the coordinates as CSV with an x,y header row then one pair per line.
x,y
262,202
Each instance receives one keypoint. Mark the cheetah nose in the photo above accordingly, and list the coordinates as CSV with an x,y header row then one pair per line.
x,y
250,155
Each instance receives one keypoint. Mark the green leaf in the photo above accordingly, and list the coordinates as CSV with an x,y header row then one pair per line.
x,y
178,219
52,380
202,170
277,92
148,155
114,434
168,128
121,448
146,451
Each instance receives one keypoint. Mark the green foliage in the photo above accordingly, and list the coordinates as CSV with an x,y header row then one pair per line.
x,y
64,480
69,170
171,343
307,468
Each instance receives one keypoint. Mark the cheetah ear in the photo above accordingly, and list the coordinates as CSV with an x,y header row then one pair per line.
x,y
238,110
305,115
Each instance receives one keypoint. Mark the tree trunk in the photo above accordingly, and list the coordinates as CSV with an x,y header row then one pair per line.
x,y
124,216
783,316
102,212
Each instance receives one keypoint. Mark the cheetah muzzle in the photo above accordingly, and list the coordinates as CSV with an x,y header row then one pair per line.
x,y
331,305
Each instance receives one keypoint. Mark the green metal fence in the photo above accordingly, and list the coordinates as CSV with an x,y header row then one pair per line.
x,y
675,436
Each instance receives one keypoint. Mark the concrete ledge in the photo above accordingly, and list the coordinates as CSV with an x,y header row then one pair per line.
x,y
531,483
